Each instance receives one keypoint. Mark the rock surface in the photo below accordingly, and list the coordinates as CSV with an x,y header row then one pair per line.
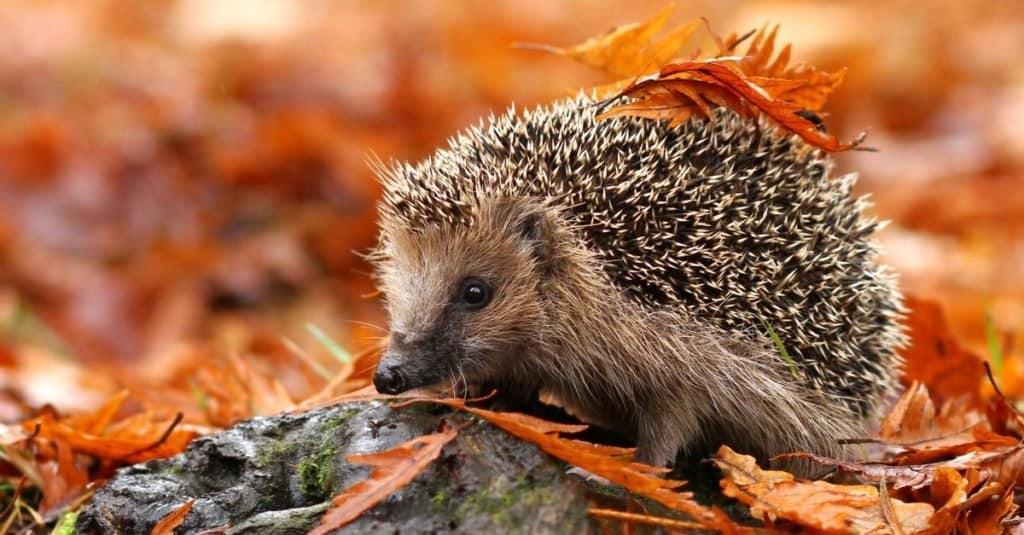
x,y
276,475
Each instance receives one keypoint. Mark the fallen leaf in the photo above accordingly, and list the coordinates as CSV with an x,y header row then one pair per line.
x,y
817,505
63,479
987,517
609,462
167,524
392,469
935,358
802,85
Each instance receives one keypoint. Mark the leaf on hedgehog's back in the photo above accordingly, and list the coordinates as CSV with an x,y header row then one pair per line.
x,y
632,49
802,85
756,83
817,505
723,83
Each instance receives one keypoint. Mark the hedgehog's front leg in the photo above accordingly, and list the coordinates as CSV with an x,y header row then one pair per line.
x,y
661,434
510,396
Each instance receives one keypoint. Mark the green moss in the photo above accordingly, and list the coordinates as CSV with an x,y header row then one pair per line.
x,y
169,469
440,501
507,502
268,455
316,470
316,473
338,420
66,524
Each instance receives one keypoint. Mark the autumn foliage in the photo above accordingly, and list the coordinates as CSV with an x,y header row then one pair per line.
x,y
755,83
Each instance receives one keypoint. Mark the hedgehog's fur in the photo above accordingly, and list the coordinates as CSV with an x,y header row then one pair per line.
x,y
637,270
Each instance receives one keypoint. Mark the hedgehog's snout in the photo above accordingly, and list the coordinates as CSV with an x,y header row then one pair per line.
x,y
389,378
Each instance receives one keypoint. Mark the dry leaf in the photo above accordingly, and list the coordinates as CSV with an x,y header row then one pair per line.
x,y
758,83
710,80
631,49
987,517
392,469
802,85
173,519
935,358
818,505
63,479
608,462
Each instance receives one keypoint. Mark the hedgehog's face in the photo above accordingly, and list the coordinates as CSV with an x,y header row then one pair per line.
x,y
463,299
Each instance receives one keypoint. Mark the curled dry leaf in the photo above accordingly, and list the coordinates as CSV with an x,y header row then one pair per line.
x,y
63,478
136,438
167,524
392,469
988,517
722,83
608,462
814,504
631,49
802,85
665,87
963,472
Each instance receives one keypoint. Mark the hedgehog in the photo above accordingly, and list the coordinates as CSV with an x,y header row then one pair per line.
x,y
685,286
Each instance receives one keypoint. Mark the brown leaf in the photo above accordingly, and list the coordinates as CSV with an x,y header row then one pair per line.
x,y
608,462
921,476
817,505
987,517
720,76
758,83
912,418
63,479
631,49
801,85
912,476
392,469
138,438
167,524
935,358
949,492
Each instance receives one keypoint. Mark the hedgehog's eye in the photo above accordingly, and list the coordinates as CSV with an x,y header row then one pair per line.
x,y
474,293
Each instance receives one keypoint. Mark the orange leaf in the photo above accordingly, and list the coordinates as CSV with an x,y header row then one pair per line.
x,y
757,83
63,479
101,418
631,49
137,438
747,98
604,461
817,505
801,85
167,524
987,517
912,418
935,358
949,492
392,469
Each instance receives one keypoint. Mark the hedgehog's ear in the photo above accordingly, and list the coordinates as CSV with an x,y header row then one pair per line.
x,y
538,228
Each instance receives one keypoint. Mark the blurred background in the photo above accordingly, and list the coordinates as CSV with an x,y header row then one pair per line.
x,y
185,181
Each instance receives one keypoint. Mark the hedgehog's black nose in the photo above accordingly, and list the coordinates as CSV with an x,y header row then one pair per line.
x,y
389,378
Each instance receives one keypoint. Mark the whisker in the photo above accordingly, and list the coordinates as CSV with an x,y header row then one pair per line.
x,y
367,324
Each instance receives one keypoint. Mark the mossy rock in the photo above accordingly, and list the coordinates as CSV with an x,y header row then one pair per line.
x,y
276,475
